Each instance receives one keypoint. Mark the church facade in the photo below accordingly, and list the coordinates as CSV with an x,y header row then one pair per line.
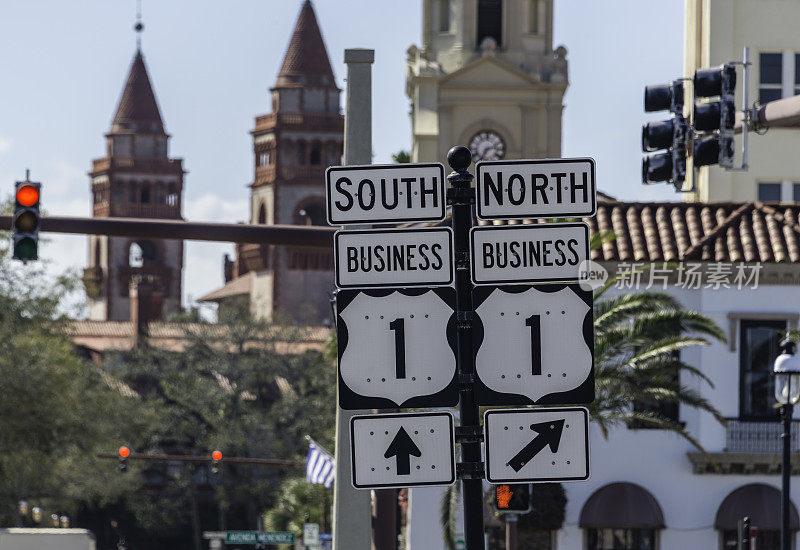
x,y
486,76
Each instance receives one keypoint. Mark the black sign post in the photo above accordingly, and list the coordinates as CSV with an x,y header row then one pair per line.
x,y
462,197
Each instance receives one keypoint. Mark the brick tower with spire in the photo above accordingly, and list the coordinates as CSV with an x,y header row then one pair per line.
x,y
135,179
292,146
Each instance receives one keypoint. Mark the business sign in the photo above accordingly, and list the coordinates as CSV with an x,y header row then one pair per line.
x,y
534,253
533,344
402,450
385,193
397,348
536,445
259,537
394,257
546,188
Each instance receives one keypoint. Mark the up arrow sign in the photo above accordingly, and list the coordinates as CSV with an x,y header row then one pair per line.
x,y
549,433
402,447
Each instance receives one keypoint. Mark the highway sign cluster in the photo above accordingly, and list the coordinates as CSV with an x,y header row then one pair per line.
x,y
398,321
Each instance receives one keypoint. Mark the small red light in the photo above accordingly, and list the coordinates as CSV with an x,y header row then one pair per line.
x,y
124,452
216,455
27,195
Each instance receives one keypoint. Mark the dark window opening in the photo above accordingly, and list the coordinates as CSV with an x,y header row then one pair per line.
x,y
769,192
143,254
316,156
312,214
758,348
262,214
145,195
490,21
621,539
301,153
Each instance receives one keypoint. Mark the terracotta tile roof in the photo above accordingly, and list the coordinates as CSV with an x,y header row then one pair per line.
x,y
691,231
138,105
235,287
306,61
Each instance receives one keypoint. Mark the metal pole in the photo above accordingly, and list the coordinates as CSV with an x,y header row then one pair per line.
x,y
352,517
511,531
746,103
461,196
786,472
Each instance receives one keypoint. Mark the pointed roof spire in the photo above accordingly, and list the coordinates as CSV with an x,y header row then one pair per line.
x,y
138,107
306,61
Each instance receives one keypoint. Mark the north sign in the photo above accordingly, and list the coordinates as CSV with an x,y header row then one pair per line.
x,y
534,253
537,445
397,348
402,450
385,193
394,257
533,344
546,188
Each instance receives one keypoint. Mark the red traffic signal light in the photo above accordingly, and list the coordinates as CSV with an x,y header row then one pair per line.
x,y
514,499
216,456
27,194
124,452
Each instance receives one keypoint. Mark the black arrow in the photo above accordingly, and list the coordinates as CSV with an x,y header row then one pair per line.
x,y
402,446
549,434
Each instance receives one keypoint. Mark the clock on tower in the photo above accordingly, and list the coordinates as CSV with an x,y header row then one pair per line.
x,y
487,145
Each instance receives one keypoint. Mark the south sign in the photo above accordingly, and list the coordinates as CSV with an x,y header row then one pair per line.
x,y
546,188
391,193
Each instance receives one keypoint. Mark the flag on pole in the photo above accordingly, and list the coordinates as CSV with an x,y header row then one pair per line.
x,y
320,465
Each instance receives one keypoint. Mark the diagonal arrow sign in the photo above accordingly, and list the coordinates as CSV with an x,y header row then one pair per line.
x,y
402,446
549,433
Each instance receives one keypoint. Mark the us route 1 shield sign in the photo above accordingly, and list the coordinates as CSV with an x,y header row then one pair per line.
x,y
543,188
394,257
535,253
537,445
385,193
397,348
402,450
533,344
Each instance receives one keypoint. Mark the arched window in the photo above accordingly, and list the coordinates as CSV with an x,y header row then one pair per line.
x,y
143,253
311,212
762,504
316,154
262,214
333,157
159,194
490,21
301,153
288,157
133,195
621,516
146,193
172,196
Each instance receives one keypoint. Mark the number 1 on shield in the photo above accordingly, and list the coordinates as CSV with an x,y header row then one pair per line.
x,y
399,328
536,343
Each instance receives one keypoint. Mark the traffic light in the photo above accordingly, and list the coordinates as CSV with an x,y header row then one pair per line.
x,y
669,135
123,452
512,499
25,227
713,120
216,461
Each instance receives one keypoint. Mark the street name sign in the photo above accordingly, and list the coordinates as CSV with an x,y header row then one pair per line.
x,y
385,193
394,257
259,537
537,445
542,188
397,348
533,344
402,450
534,253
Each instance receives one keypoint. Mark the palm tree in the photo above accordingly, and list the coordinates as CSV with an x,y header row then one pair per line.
x,y
637,340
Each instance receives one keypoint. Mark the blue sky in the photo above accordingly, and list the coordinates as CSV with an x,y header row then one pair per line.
x,y
63,64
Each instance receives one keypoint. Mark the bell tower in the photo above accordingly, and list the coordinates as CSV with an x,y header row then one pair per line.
x,y
136,179
292,146
486,76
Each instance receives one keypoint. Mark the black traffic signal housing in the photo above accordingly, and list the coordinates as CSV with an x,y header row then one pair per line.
x,y
713,120
123,452
216,461
25,224
667,139
512,499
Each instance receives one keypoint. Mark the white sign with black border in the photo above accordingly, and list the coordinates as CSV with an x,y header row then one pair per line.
x,y
402,450
541,188
394,257
536,253
545,336
385,193
537,445
397,348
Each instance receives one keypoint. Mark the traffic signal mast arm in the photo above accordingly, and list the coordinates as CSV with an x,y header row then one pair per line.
x,y
199,231
204,458
780,113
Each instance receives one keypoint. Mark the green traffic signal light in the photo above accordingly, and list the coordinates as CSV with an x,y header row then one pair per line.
x,y
26,249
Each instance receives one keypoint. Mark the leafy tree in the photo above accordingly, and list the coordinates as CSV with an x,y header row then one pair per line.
x,y
402,157
299,502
